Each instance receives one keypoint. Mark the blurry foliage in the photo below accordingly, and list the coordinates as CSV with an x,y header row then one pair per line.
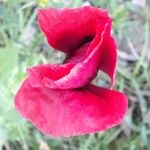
x,y
8,59
23,45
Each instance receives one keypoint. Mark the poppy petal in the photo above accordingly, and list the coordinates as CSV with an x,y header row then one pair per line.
x,y
66,29
59,24
108,59
49,71
70,112
75,76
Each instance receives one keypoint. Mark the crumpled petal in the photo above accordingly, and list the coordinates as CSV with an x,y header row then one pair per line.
x,y
47,71
70,112
108,60
66,29
78,75
78,32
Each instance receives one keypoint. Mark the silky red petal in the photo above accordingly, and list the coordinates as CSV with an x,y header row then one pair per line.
x,y
105,46
72,76
49,71
108,59
78,32
71,112
67,29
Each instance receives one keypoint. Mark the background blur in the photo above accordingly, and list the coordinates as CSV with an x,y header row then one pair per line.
x,y
23,45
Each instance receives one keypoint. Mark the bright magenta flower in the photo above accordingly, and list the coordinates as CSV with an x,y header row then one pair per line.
x,y
59,99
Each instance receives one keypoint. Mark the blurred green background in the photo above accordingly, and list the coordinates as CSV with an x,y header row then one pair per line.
x,y
22,45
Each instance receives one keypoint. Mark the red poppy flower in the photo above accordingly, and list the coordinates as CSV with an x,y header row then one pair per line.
x,y
59,99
